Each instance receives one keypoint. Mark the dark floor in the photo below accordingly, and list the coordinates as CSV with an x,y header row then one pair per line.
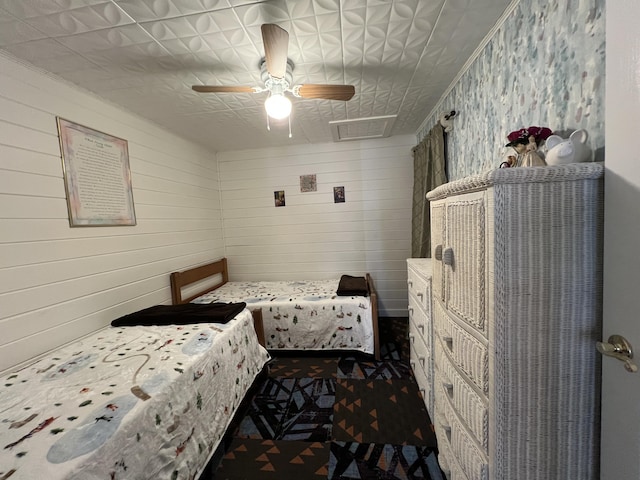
x,y
333,417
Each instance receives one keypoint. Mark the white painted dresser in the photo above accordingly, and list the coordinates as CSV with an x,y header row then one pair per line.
x,y
421,326
517,312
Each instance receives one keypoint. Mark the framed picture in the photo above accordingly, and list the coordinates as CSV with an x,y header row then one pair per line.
x,y
279,198
308,183
338,194
96,176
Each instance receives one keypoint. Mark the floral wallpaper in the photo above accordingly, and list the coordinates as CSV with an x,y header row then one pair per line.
x,y
544,66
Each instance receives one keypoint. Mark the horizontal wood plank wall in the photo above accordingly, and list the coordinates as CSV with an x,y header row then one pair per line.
x,y
312,237
58,283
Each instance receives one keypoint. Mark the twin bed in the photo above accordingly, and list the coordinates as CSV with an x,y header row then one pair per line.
x,y
153,399
335,314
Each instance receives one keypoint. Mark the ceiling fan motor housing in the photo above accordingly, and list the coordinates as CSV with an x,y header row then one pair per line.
x,y
272,83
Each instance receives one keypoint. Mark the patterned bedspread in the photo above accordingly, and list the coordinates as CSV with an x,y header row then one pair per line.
x,y
304,315
128,402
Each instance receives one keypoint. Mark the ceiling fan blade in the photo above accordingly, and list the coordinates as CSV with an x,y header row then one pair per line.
x,y
222,89
276,46
328,92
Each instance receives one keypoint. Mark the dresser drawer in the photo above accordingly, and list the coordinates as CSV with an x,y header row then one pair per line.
x,y
419,350
466,351
465,401
453,437
420,288
419,322
423,379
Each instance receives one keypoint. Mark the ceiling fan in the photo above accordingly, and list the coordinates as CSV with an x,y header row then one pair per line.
x,y
277,77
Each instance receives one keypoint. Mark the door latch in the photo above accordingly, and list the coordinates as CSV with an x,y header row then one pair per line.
x,y
618,347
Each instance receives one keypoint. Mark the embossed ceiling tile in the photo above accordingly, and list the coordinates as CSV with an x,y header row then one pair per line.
x,y
305,8
136,58
38,49
305,26
249,57
214,21
237,37
378,14
37,8
184,45
405,10
170,29
216,40
79,20
145,10
268,12
310,49
104,39
64,63
13,32
329,22
91,76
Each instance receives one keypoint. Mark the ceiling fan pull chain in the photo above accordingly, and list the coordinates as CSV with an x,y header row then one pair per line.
x,y
289,126
268,126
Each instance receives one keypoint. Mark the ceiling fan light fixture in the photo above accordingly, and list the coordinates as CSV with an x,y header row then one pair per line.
x,y
278,106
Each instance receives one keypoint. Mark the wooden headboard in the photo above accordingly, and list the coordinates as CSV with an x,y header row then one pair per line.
x,y
179,280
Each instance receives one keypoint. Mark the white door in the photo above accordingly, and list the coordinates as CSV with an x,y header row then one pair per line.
x,y
620,455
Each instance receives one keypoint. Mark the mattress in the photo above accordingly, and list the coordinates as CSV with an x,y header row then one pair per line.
x,y
128,402
304,315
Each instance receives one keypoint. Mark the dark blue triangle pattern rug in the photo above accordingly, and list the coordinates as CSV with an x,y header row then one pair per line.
x,y
334,418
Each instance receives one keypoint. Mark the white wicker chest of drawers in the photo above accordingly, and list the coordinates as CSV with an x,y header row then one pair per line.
x,y
516,275
420,326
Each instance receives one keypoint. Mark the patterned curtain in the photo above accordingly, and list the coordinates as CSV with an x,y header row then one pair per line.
x,y
428,173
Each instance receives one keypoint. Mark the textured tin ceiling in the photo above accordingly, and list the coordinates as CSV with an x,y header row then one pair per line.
x,y
144,55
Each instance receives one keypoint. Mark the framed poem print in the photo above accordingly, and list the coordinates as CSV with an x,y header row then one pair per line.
x,y
97,177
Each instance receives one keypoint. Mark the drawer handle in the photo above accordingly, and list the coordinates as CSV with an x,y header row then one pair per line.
x,y
422,361
413,365
421,295
448,342
411,311
410,283
447,431
449,388
447,256
438,252
412,338
421,327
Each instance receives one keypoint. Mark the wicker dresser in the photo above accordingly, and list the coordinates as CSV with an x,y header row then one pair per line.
x,y
421,326
517,312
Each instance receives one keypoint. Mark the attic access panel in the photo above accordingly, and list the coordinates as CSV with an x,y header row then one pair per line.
x,y
362,128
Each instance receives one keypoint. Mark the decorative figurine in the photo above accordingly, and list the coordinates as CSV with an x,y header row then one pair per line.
x,y
524,145
571,150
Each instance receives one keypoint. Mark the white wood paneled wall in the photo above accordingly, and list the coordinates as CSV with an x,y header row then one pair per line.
x,y
312,237
58,283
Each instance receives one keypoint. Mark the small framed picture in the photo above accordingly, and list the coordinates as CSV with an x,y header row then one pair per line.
x,y
279,198
308,183
338,194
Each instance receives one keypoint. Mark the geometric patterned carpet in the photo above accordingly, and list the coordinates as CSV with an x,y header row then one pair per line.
x,y
334,417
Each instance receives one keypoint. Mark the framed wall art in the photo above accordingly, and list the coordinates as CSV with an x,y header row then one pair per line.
x,y
97,177
278,197
308,183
